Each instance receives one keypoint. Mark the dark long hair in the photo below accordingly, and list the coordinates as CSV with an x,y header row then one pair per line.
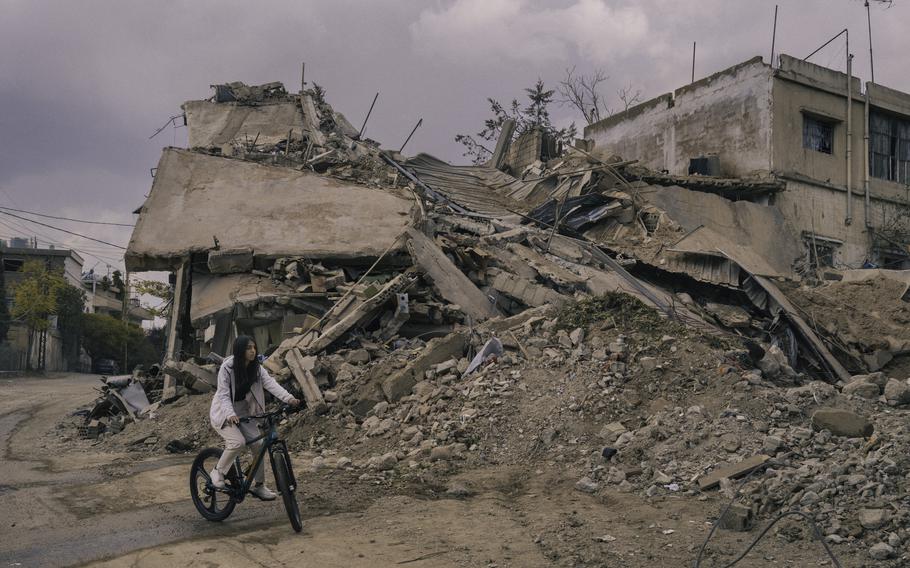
x,y
244,375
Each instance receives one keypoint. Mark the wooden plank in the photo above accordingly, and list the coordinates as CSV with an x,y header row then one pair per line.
x,y
452,284
732,471
302,367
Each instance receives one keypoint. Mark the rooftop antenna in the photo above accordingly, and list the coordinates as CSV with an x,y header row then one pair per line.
x,y
869,23
774,35
369,112
693,62
419,122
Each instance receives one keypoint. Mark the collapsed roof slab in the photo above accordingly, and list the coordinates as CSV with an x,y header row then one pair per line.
x,y
213,294
771,240
275,211
218,124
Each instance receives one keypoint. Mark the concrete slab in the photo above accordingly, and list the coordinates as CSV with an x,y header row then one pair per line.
x,y
217,124
275,211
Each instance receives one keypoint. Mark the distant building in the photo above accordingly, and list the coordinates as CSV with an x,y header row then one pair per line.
x,y
791,123
104,298
14,354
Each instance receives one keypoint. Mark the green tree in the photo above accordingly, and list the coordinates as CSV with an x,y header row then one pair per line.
x,y
4,311
35,300
535,114
160,290
70,312
104,337
117,282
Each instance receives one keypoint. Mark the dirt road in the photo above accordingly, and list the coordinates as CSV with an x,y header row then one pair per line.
x,y
65,508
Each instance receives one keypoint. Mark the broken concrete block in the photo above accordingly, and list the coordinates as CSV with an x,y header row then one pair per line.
x,y
192,376
738,518
438,350
327,281
452,284
525,291
731,471
862,388
611,431
302,368
230,261
169,392
366,398
842,422
872,519
897,392
357,357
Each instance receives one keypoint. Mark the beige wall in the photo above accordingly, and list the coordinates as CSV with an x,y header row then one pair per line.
x,y
820,210
728,114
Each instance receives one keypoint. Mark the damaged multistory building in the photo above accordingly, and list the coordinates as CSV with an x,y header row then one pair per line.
x,y
281,222
837,171
597,310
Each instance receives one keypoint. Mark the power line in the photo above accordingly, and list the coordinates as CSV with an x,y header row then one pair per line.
x,y
19,230
68,218
24,230
62,230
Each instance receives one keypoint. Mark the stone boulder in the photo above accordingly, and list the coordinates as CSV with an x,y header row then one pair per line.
x,y
842,422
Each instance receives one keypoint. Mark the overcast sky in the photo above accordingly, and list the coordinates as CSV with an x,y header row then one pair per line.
x,y
84,84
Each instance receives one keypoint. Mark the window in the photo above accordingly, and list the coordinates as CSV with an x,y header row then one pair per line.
x,y
889,150
12,264
822,251
818,134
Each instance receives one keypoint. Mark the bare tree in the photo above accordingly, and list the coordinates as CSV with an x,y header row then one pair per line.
x,y
583,93
627,97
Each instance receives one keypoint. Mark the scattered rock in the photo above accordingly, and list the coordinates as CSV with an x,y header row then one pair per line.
x,y
872,519
881,551
842,422
587,485
897,392
862,388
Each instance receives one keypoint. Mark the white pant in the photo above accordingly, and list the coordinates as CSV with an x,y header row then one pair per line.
x,y
235,438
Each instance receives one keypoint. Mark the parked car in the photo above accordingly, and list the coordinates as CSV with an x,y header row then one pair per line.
x,y
106,367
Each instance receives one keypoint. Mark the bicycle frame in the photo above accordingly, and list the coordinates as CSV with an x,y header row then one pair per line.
x,y
272,444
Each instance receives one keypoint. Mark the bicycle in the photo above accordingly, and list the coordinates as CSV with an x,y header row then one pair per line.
x,y
221,502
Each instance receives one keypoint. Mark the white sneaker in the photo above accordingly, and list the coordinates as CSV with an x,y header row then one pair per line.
x,y
217,478
263,492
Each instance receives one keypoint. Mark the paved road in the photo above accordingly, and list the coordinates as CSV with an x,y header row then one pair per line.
x,y
63,510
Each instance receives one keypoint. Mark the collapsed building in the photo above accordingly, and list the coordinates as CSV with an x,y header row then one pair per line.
x,y
282,223
833,155
676,326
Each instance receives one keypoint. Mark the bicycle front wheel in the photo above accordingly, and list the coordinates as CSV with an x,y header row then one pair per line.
x,y
213,504
283,480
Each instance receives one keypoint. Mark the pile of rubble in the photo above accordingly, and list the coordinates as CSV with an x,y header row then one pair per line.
x,y
641,331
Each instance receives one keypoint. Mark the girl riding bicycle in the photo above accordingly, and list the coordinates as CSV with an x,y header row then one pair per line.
x,y
240,394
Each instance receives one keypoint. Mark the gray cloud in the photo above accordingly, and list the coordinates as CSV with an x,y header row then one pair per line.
x,y
83,84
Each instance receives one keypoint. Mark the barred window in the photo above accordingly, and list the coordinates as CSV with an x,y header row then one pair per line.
x,y
889,148
818,134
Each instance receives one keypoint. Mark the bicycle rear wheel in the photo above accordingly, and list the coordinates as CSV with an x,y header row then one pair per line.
x,y
213,504
283,480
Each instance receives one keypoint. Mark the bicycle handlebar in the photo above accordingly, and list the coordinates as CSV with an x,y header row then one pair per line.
x,y
285,409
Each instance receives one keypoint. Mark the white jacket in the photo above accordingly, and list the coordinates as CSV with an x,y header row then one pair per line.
x,y
223,406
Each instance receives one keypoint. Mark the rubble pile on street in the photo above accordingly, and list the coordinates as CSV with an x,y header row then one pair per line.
x,y
580,312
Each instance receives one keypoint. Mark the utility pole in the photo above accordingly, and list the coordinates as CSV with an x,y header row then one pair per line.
x,y
124,316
